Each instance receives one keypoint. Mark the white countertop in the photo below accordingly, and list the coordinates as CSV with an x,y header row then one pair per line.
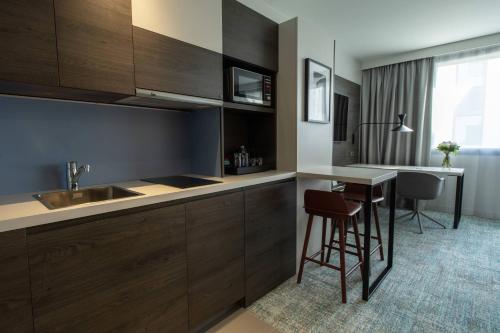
x,y
365,176
22,210
435,170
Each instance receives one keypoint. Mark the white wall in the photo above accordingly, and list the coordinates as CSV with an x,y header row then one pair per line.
x,y
346,65
433,51
192,21
302,144
314,140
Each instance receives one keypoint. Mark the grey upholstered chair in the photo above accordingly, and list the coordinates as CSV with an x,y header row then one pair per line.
x,y
419,186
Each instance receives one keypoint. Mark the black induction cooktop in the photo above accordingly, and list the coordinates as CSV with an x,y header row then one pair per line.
x,y
181,181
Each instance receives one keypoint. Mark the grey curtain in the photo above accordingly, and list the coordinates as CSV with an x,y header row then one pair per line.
x,y
386,92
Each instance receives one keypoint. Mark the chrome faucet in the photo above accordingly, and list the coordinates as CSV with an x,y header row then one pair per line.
x,y
73,174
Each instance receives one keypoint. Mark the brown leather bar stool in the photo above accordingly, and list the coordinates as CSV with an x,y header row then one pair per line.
x,y
356,192
331,205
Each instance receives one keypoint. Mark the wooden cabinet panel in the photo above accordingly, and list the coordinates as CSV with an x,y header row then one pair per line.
x,y
15,296
166,64
249,36
215,247
27,33
122,274
270,237
94,42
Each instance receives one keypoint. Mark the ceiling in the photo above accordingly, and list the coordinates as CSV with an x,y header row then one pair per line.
x,y
370,29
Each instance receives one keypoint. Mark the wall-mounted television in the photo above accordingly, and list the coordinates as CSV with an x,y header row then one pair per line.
x,y
340,110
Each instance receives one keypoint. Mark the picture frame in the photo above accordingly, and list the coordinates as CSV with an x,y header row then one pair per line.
x,y
318,92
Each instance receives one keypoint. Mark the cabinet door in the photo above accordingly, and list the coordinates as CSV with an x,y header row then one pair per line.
x,y
115,274
94,42
166,64
270,238
27,33
15,296
249,36
215,255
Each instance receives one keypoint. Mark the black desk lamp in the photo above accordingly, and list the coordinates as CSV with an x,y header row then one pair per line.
x,y
400,128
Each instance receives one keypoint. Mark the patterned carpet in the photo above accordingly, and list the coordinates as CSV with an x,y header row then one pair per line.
x,y
441,281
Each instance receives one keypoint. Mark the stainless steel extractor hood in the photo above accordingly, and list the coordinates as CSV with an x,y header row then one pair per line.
x,y
171,101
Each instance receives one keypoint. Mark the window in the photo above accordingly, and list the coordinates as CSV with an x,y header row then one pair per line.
x,y
466,99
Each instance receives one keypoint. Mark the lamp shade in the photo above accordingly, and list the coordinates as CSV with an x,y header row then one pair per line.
x,y
401,126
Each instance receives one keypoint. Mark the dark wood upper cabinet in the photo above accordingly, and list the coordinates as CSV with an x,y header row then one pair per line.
x,y
124,273
270,237
170,65
249,36
15,295
27,35
215,247
94,43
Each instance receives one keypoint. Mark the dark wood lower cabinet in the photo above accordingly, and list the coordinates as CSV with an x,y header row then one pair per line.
x,y
15,296
215,248
270,238
118,274
174,268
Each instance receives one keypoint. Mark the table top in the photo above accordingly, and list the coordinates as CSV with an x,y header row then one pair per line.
x,y
356,175
434,170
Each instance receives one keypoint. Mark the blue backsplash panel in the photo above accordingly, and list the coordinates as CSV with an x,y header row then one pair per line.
x,y
37,137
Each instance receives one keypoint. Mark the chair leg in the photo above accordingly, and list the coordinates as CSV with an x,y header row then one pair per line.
x,y
304,249
413,213
419,222
323,242
358,242
342,260
433,220
379,234
332,238
404,215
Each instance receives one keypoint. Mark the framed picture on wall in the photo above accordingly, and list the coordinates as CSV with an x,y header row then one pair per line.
x,y
318,92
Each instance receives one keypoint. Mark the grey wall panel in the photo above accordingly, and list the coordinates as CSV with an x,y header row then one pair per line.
x,y
205,142
344,152
38,136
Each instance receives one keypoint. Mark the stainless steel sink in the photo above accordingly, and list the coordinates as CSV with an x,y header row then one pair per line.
x,y
55,200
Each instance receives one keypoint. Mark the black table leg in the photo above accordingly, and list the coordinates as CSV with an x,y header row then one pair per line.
x,y
367,237
392,219
458,201
367,288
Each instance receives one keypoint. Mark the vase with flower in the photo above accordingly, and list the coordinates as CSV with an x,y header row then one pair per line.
x,y
447,148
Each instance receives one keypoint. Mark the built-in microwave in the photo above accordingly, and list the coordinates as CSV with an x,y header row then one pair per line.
x,y
249,87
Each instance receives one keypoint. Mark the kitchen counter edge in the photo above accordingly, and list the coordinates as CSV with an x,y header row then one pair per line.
x,y
24,211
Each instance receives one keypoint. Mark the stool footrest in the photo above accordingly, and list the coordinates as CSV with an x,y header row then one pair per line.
x,y
326,264
348,272
372,251
315,254
352,233
353,268
338,249
322,264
